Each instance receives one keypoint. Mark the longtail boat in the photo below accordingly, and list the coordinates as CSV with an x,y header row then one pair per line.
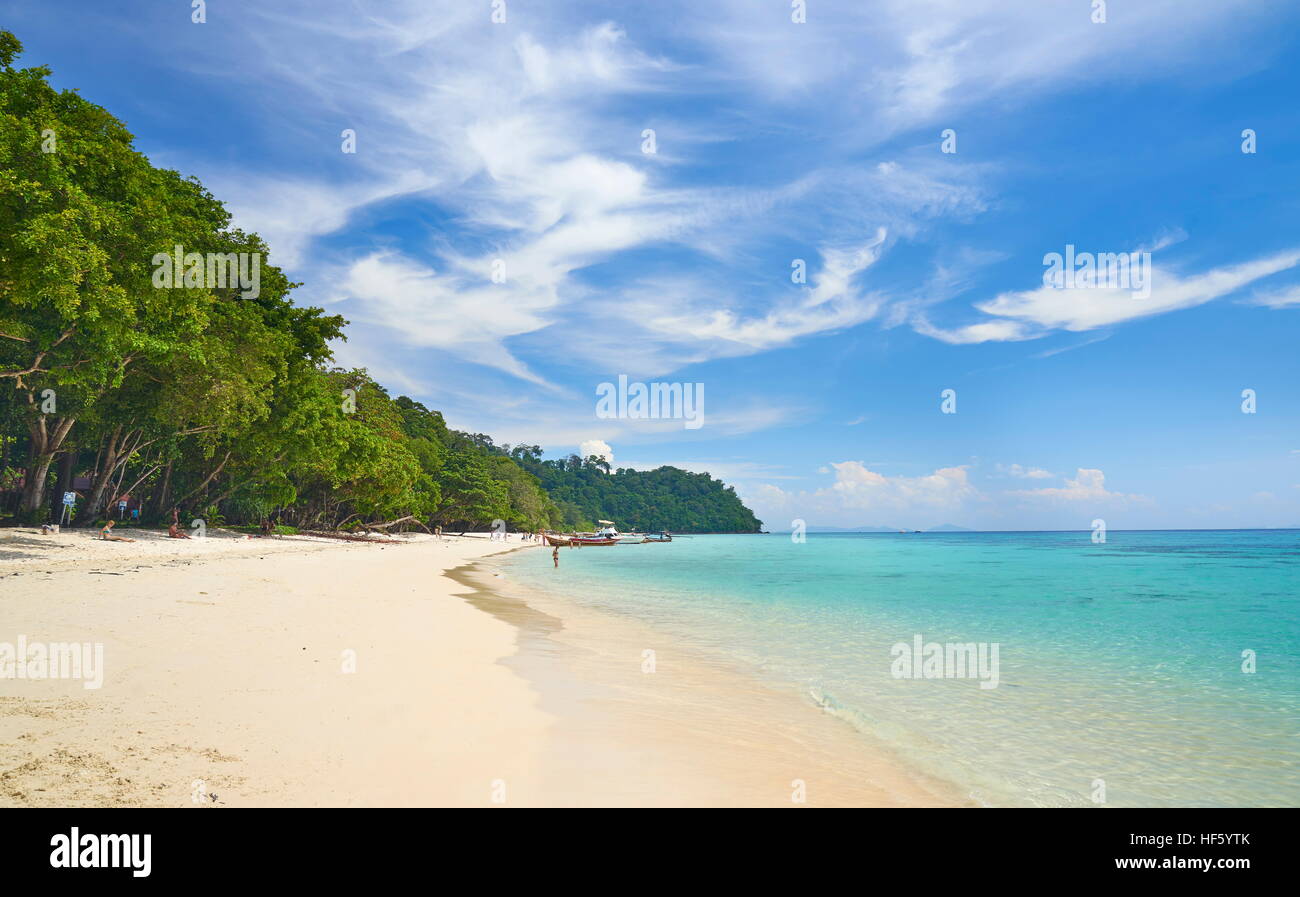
x,y
590,539
608,534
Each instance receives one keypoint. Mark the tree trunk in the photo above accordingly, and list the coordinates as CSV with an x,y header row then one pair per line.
x,y
67,467
44,444
95,503
38,468
4,465
166,490
144,476
99,452
118,492
203,487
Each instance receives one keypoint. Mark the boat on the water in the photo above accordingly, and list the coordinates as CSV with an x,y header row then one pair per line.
x,y
608,534
589,539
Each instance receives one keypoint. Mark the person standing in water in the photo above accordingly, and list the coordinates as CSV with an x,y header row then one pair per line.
x,y
555,556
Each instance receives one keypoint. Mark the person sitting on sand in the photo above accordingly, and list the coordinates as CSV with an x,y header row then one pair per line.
x,y
175,532
107,533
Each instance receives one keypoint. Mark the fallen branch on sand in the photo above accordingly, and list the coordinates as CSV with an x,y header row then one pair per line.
x,y
349,537
409,518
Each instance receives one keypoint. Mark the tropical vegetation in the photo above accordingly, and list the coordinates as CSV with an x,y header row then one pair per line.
x,y
220,402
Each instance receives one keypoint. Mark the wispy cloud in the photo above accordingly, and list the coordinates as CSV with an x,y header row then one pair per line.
x,y
1030,314
1284,297
1030,473
501,243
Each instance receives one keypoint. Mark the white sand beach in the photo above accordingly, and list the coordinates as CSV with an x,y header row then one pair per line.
x,y
295,671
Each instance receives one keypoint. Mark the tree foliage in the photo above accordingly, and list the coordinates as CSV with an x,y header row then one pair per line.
x,y
212,401
666,498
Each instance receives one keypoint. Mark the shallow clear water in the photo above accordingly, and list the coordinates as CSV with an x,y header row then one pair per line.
x,y
1120,665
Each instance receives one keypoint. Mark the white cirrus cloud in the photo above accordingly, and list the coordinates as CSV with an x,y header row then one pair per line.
x,y
1284,297
900,63
519,144
1029,314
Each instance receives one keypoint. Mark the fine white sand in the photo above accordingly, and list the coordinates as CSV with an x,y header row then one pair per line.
x,y
224,665
228,676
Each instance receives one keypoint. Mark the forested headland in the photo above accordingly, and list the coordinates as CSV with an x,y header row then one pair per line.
x,y
218,400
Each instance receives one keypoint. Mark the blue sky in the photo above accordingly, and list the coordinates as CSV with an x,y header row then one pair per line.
x,y
523,141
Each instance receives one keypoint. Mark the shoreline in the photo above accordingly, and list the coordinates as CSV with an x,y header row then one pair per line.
x,y
224,679
680,727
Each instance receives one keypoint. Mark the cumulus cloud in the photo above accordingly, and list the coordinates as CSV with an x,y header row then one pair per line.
x,y
864,488
860,490
859,495
598,447
1088,485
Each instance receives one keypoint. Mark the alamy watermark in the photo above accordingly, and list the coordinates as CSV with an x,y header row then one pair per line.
x,y
950,660
77,851
654,401
53,660
180,270
1073,270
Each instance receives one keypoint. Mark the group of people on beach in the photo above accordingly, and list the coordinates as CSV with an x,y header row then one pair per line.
x,y
174,530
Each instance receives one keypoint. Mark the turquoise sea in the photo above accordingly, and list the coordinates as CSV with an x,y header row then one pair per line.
x,y
1120,665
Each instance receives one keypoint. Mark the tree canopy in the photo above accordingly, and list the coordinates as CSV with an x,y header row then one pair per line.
x,y
218,401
